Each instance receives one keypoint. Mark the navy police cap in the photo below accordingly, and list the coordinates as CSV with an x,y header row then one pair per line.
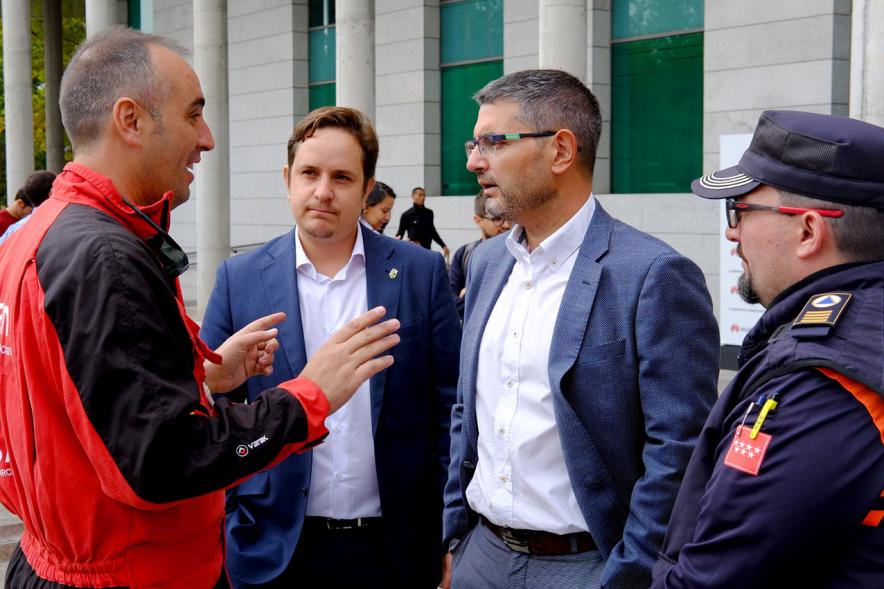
x,y
821,156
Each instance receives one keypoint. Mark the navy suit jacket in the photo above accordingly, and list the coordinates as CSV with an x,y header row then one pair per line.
x,y
410,403
633,368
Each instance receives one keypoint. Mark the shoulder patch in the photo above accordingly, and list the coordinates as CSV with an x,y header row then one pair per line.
x,y
822,310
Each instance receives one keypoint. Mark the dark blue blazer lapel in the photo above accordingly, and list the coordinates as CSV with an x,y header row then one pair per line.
x,y
278,269
383,278
577,302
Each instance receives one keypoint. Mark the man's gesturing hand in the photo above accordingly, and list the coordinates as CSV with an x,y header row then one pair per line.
x,y
347,358
247,352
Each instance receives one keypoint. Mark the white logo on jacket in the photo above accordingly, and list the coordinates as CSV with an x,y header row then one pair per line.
x,y
4,329
243,449
5,470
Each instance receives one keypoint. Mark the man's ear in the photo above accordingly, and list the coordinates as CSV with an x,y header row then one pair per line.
x,y
127,118
816,236
565,144
285,175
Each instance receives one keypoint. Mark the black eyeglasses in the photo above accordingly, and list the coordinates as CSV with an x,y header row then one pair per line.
x,y
487,144
172,257
734,208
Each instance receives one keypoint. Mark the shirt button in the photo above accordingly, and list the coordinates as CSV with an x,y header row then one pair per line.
x,y
515,334
339,477
502,431
503,478
529,284
509,384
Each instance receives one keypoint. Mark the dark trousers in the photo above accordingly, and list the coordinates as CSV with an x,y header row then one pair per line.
x,y
339,558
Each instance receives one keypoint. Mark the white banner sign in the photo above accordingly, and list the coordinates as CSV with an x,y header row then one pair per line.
x,y
736,316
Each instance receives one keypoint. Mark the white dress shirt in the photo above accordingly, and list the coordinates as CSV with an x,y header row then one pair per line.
x,y
344,482
521,480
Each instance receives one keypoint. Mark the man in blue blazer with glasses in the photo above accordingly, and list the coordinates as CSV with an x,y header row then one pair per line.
x,y
362,509
589,361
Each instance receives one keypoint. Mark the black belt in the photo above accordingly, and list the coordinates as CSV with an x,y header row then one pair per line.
x,y
541,543
343,524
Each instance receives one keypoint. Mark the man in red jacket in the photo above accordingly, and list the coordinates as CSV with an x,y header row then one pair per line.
x,y
115,451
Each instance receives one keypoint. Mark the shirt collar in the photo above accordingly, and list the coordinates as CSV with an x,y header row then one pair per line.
x,y
559,246
367,225
305,266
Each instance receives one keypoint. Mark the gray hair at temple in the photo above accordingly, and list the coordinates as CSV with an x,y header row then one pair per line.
x,y
858,232
550,100
111,64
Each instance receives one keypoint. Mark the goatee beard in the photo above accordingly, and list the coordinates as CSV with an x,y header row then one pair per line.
x,y
745,290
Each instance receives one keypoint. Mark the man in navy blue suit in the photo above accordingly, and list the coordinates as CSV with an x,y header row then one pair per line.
x,y
364,508
589,361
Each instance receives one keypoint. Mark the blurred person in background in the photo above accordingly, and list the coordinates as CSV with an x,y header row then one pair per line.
x,y
30,196
489,226
378,205
417,224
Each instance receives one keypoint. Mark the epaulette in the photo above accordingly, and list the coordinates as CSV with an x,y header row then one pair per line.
x,y
820,315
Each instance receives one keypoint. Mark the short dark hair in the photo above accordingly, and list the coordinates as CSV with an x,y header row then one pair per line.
x,y
339,117
550,100
109,64
379,193
20,195
857,232
416,188
37,187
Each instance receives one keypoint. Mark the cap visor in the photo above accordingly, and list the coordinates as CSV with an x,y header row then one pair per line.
x,y
727,183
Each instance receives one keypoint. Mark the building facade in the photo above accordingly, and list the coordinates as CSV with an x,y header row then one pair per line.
x,y
673,77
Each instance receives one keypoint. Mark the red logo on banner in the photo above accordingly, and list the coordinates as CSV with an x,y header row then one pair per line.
x,y
746,454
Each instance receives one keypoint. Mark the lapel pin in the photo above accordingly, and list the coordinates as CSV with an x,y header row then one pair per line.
x,y
393,274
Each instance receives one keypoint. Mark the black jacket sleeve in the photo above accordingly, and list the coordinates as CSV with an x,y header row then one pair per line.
x,y
131,360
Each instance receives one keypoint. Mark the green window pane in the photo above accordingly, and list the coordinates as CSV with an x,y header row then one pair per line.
x,y
657,114
322,55
322,95
322,13
459,112
471,30
633,18
134,8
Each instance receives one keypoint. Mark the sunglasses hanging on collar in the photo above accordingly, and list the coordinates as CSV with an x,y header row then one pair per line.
x,y
172,257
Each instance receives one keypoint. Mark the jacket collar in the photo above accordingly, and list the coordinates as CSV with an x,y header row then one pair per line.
x,y
787,305
81,185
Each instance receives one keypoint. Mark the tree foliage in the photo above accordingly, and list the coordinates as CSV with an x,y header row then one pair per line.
x,y
73,32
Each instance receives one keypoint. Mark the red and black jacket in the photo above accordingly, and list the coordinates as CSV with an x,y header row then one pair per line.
x,y
111,454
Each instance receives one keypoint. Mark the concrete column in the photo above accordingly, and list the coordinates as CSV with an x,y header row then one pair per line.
x,y
101,14
563,36
52,61
598,78
213,173
354,66
866,67
408,96
17,93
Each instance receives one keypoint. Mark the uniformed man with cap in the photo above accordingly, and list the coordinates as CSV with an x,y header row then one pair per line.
x,y
785,486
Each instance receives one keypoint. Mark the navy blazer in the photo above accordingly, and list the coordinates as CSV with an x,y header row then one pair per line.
x,y
633,368
410,403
